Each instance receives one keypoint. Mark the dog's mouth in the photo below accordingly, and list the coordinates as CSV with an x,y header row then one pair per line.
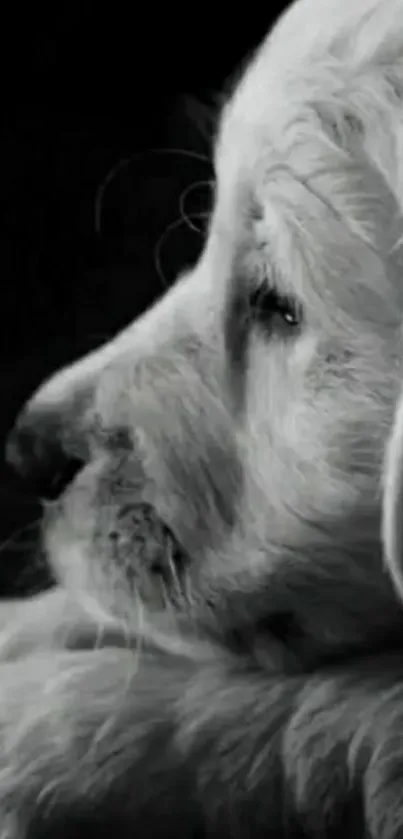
x,y
167,571
155,562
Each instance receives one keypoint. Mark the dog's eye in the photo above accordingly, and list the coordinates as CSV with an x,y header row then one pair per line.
x,y
268,306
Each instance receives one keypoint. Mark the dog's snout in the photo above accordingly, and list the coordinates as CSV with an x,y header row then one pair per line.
x,y
34,449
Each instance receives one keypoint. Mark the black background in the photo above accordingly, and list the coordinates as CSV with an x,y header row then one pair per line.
x,y
84,88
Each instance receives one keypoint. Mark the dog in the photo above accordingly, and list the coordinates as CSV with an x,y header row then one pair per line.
x,y
222,655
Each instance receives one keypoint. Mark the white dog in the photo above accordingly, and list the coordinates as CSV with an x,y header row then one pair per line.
x,y
233,539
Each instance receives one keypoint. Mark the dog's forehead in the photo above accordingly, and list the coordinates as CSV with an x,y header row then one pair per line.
x,y
298,200
287,207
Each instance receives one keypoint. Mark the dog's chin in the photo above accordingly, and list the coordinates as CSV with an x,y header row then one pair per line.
x,y
139,580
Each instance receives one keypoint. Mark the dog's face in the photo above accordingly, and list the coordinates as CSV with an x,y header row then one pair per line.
x,y
234,435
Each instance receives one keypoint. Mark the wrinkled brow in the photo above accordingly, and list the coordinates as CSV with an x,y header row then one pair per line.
x,y
251,268
236,326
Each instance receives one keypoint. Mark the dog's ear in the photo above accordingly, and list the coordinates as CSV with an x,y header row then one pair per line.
x,y
392,511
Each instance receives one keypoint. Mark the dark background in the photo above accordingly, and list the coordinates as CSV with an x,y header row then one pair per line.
x,y
82,89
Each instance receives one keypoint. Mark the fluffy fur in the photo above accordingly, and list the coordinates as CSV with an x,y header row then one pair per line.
x,y
250,681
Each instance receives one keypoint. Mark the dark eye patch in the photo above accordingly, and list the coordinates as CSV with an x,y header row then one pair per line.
x,y
271,310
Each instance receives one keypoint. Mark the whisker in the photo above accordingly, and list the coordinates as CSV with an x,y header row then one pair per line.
x,y
157,250
126,161
139,632
10,541
182,208
163,238
173,569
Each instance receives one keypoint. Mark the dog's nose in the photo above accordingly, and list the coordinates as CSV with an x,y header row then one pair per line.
x,y
34,449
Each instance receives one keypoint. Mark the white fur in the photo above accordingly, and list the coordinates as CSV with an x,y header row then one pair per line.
x,y
265,448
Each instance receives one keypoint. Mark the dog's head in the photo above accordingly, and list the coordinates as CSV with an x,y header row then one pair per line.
x,y
234,437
